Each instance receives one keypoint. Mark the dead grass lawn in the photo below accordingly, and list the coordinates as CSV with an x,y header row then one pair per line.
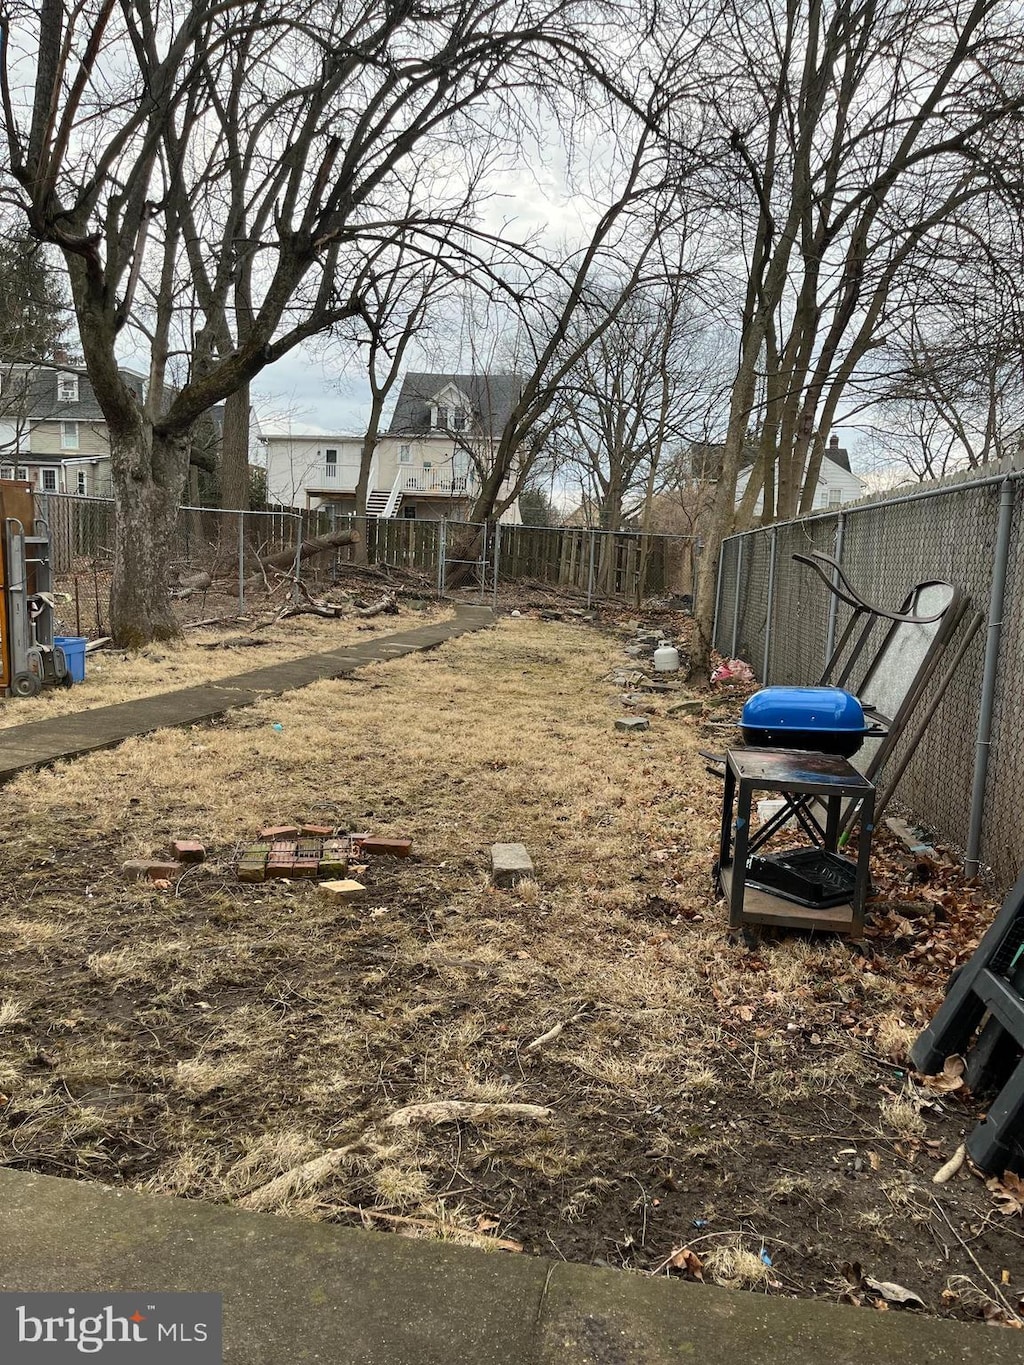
x,y
206,1040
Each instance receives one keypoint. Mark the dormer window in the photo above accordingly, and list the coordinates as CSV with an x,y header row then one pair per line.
x,y
459,422
67,388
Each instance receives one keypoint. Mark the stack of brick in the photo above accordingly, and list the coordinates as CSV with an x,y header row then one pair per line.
x,y
314,851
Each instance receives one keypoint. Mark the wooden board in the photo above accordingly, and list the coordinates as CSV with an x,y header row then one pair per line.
x,y
760,907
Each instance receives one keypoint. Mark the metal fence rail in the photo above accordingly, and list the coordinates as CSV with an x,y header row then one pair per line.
x,y
778,616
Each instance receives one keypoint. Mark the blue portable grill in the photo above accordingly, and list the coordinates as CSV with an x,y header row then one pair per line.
x,y
826,720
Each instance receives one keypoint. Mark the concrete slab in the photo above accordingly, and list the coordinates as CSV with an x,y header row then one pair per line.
x,y
297,1292
607,1317
294,1292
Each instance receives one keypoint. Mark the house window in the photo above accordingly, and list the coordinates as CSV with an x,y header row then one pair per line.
x,y
835,497
67,388
458,419
7,472
82,482
22,473
442,418
332,456
405,455
69,435
49,481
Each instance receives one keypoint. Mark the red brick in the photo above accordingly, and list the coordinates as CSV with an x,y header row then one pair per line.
x,y
305,867
397,848
280,832
188,851
320,831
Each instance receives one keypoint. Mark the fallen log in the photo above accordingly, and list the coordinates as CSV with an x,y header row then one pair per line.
x,y
284,559
190,583
451,1111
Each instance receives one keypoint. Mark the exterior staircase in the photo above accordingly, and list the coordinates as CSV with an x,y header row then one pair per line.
x,y
377,504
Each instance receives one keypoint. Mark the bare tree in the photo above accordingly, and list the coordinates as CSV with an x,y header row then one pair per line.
x,y
856,131
258,147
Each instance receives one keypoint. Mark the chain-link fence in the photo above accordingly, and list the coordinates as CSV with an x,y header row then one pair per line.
x,y
222,562
778,615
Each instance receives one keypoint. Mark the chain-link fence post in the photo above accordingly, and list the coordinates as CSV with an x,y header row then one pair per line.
x,y
241,563
497,561
773,540
297,562
718,594
442,551
736,597
833,605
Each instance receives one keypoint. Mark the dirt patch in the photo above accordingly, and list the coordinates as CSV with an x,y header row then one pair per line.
x,y
750,1105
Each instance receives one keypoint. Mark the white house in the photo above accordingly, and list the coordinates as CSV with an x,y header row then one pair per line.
x,y
426,465
837,483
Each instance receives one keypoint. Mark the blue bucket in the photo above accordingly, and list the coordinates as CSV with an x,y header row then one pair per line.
x,y
73,647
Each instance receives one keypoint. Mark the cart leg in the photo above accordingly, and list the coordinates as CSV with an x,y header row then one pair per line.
x,y
860,886
833,819
725,839
739,860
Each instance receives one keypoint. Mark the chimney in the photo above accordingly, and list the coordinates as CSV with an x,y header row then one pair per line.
x,y
833,443
60,355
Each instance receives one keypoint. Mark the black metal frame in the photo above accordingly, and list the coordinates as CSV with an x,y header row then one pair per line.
x,y
987,998
795,781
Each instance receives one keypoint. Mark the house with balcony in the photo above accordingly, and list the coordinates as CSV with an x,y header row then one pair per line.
x,y
52,431
426,465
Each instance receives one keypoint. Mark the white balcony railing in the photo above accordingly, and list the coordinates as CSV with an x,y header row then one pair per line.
x,y
342,477
443,482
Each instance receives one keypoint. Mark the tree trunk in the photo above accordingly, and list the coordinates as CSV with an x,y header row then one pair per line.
x,y
234,452
144,549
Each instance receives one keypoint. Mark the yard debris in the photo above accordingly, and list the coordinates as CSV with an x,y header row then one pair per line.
x,y
864,1286
632,723
153,869
950,1078
342,890
395,848
556,1031
949,1170
188,851
684,1259
733,670
300,1180
451,1111
1009,1193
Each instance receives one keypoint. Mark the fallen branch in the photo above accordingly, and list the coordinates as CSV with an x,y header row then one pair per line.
x,y
299,1181
555,1032
386,604
451,1111
234,642
434,1224
101,643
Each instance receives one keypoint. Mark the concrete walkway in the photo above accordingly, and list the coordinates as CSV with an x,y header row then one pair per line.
x,y
296,1292
43,742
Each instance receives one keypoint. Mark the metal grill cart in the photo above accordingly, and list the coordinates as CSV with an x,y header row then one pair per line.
x,y
29,659
806,888
982,1018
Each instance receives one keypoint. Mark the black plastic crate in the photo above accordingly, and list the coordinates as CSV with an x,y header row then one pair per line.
x,y
806,876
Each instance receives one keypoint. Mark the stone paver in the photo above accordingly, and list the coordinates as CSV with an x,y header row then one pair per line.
x,y
41,742
510,863
297,1292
